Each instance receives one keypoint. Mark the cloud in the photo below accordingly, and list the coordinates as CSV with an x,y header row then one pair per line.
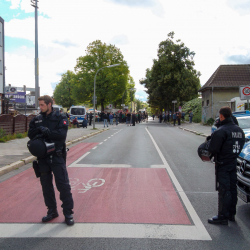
x,y
136,3
155,6
66,43
120,40
242,6
14,4
239,59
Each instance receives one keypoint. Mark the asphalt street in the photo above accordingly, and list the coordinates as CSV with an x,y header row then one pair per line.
x,y
141,187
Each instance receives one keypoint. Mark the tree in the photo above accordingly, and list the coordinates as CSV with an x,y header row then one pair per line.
x,y
172,76
111,83
63,90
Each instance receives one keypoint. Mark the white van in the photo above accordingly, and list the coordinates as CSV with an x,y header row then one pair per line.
x,y
57,107
78,112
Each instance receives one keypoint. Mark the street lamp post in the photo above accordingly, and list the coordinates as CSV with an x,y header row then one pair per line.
x,y
132,89
110,66
34,4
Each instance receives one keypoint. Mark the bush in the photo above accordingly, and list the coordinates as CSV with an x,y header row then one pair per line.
x,y
2,133
195,106
210,122
10,137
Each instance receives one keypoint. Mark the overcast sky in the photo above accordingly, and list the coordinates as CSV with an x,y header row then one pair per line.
x,y
216,30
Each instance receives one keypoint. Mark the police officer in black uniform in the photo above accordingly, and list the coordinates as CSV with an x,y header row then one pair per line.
x,y
53,126
226,144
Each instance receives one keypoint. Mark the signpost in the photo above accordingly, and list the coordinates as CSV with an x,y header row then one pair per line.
x,y
174,102
245,93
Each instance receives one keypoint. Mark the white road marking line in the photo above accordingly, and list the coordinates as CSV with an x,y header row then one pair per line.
x,y
105,140
109,137
94,147
79,159
100,143
201,230
98,230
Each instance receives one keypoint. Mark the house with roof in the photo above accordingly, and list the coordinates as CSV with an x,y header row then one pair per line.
x,y
221,87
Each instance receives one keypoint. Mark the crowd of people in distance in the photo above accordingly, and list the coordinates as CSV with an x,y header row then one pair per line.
x,y
130,118
176,116
109,118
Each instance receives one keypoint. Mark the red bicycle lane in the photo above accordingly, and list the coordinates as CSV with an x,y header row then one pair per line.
x,y
101,195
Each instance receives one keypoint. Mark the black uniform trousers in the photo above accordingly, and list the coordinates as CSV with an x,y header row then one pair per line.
x,y
227,192
57,166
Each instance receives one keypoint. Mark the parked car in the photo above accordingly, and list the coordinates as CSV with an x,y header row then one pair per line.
x,y
243,173
243,118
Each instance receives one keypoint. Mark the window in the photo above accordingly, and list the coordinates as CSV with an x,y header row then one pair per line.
x,y
202,103
1,39
77,111
207,102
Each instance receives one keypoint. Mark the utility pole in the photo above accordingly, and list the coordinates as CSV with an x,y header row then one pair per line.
x,y
37,94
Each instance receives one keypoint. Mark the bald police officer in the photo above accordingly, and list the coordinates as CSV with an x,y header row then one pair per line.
x,y
53,126
226,144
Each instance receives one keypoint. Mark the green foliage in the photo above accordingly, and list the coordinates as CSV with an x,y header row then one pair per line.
x,y
172,76
2,133
9,137
63,91
210,122
111,83
194,105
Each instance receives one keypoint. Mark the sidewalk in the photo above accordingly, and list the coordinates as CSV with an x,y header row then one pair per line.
x,y
16,150
196,128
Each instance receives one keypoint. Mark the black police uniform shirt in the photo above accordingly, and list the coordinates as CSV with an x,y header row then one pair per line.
x,y
56,122
227,142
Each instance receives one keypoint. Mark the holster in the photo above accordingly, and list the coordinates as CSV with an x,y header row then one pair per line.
x,y
36,169
64,152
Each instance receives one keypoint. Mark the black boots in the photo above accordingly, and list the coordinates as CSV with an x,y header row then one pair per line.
x,y
52,213
218,219
69,220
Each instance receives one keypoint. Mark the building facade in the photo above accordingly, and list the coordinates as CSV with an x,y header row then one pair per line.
x,y
221,87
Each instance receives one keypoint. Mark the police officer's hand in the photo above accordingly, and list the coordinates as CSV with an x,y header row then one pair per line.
x,y
45,131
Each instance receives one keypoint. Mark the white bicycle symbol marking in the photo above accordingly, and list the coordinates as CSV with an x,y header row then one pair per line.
x,y
96,182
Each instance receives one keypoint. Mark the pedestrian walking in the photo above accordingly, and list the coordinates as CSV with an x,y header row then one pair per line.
x,y
146,117
128,118
191,116
111,117
179,118
133,118
52,127
174,118
90,118
105,119
225,145
116,118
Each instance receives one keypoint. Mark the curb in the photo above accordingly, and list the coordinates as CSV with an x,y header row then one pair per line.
x,y
194,132
8,168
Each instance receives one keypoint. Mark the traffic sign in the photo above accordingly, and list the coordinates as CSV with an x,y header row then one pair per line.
x,y
174,101
110,106
244,92
122,105
10,90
